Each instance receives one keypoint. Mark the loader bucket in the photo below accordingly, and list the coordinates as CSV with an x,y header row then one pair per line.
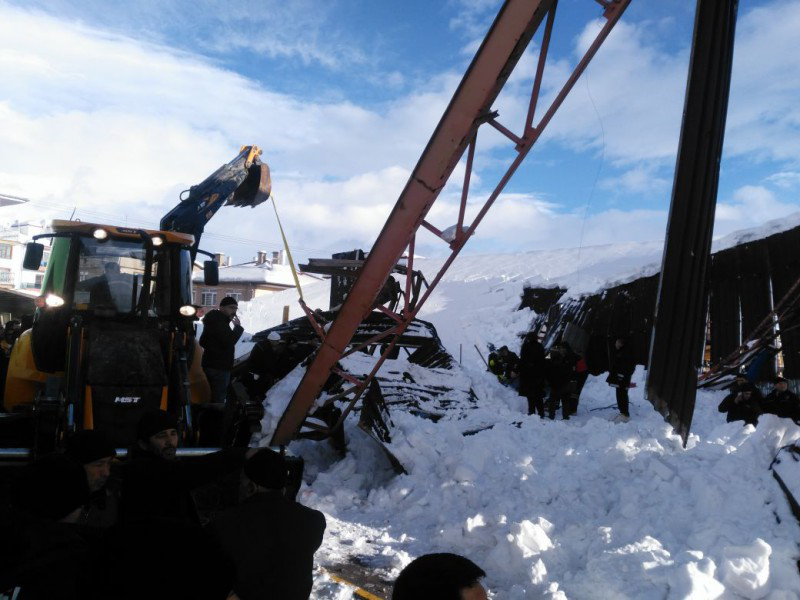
x,y
256,187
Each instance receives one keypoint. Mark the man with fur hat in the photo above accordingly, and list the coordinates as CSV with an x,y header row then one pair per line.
x,y
156,484
92,449
271,538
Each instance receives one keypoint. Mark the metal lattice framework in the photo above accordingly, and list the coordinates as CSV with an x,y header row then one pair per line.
x,y
457,133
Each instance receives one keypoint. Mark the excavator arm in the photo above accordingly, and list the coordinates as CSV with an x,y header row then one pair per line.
x,y
245,181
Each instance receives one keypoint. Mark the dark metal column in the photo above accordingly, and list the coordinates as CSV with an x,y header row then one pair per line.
x,y
678,326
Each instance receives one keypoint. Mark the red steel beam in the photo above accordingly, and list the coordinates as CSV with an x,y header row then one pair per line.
x,y
470,107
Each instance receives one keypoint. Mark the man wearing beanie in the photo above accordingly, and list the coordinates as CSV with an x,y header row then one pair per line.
x,y
158,484
218,341
92,449
272,539
42,549
782,401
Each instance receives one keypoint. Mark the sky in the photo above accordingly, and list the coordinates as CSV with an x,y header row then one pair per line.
x,y
108,110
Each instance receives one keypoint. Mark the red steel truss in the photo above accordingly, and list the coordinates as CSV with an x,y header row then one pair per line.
x,y
457,131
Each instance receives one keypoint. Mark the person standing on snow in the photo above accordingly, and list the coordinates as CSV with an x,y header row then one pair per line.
x,y
218,341
532,373
619,377
563,378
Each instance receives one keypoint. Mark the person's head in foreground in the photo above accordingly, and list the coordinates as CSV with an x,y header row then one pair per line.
x,y
440,577
93,450
157,433
264,471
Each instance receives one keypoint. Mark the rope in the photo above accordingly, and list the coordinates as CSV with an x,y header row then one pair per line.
x,y
596,178
286,246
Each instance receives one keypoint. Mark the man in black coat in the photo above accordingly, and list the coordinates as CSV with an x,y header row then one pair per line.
x,y
218,341
42,548
95,452
156,484
782,401
532,370
742,404
619,377
563,379
271,538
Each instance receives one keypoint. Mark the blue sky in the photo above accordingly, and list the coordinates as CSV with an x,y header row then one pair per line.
x,y
111,109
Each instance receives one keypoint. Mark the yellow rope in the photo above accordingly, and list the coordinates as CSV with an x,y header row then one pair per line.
x,y
288,252
357,590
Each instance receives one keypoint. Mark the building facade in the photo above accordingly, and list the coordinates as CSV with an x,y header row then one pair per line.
x,y
246,281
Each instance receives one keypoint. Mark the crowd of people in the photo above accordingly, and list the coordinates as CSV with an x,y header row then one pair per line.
x,y
555,378
83,524
745,402
10,333
549,380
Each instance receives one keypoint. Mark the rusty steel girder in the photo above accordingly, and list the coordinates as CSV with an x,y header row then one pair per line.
x,y
456,133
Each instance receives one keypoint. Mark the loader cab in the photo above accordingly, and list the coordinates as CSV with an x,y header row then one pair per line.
x,y
112,335
99,273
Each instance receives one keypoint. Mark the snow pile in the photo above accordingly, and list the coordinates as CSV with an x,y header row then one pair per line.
x,y
571,509
553,509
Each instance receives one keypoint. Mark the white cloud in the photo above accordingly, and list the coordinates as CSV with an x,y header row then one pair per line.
x,y
118,127
785,179
302,30
643,180
749,205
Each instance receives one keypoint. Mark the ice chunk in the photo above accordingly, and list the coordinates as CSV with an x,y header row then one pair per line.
x,y
746,569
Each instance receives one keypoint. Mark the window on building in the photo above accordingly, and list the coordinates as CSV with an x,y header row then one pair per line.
x,y
5,250
39,279
235,294
5,276
209,299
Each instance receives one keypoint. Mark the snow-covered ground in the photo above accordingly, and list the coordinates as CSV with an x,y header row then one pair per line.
x,y
577,509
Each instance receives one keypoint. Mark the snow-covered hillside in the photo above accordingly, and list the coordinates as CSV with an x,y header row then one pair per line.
x,y
576,509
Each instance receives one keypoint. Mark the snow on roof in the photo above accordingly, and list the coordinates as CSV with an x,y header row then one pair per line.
x,y
265,273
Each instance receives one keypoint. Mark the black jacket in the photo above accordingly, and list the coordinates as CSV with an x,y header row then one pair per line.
x,y
43,557
272,540
622,367
532,365
153,487
739,409
784,404
218,340
561,372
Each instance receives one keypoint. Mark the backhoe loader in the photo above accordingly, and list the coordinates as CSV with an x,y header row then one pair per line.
x,y
113,331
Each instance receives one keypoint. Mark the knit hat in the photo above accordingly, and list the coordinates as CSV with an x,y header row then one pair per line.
x,y
153,422
228,301
88,446
52,487
267,469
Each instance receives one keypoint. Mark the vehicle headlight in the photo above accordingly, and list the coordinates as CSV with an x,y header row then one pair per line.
x,y
188,310
100,234
53,301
